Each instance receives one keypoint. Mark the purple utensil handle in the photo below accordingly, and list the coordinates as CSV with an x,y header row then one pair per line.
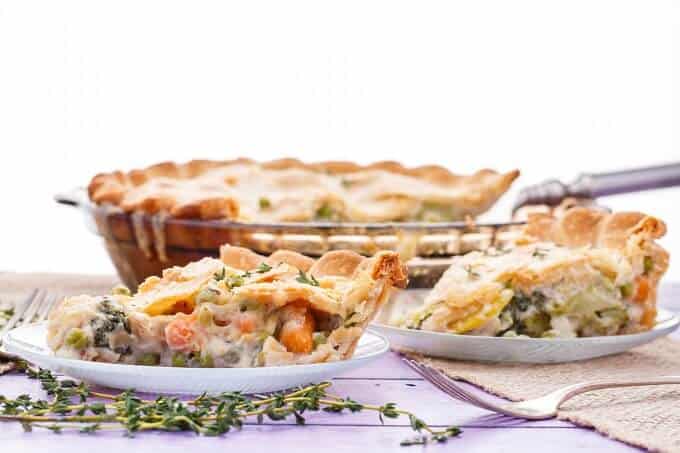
x,y
593,185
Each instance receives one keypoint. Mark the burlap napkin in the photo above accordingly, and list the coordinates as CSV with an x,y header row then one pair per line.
x,y
647,417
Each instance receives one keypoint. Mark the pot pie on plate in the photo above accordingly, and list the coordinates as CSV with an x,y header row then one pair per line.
x,y
239,311
586,277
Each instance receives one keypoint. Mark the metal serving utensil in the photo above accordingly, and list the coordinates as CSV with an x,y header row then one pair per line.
x,y
35,308
593,185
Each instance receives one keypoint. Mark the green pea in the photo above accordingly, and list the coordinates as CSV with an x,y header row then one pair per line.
x,y
149,359
121,290
77,339
626,290
179,360
648,264
206,361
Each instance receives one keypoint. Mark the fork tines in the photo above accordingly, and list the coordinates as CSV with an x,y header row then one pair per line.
x,y
448,386
35,308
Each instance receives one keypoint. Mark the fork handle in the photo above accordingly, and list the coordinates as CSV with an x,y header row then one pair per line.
x,y
576,389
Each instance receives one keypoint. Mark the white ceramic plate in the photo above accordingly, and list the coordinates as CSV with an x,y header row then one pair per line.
x,y
29,342
521,350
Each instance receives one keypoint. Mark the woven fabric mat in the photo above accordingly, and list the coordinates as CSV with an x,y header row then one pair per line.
x,y
647,417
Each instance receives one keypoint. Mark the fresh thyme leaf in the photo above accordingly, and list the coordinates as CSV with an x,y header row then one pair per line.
x,y
416,423
472,274
307,280
264,203
263,267
435,436
57,429
219,276
325,212
90,428
208,415
540,253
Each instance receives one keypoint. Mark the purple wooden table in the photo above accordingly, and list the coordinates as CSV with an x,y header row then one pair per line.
x,y
386,380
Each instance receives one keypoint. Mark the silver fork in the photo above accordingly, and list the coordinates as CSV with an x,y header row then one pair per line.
x,y
534,409
35,308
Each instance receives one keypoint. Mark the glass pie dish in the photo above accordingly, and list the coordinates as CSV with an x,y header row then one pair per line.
x,y
141,244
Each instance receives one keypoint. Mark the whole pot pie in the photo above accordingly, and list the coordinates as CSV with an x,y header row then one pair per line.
x,y
587,273
288,190
242,310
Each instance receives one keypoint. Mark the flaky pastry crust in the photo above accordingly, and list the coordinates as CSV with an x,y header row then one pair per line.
x,y
297,191
581,260
243,309
632,233
385,268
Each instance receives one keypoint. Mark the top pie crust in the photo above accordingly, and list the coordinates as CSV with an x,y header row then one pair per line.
x,y
290,190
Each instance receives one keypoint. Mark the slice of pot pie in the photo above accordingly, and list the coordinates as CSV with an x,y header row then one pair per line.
x,y
288,190
242,310
587,273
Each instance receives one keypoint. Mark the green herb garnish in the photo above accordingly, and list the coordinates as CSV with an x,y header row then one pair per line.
x,y
441,437
472,274
307,280
325,212
265,203
540,253
219,276
263,267
71,407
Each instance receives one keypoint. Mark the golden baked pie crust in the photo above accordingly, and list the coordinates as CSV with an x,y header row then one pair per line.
x,y
165,188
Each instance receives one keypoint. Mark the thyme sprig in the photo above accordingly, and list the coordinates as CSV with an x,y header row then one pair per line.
x,y
71,406
307,279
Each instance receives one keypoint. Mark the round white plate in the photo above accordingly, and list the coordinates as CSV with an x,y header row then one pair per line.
x,y
30,343
519,350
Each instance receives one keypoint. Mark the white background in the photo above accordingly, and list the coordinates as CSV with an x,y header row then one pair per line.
x,y
554,88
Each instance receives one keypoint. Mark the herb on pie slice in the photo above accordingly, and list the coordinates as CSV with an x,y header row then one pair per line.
x,y
307,280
